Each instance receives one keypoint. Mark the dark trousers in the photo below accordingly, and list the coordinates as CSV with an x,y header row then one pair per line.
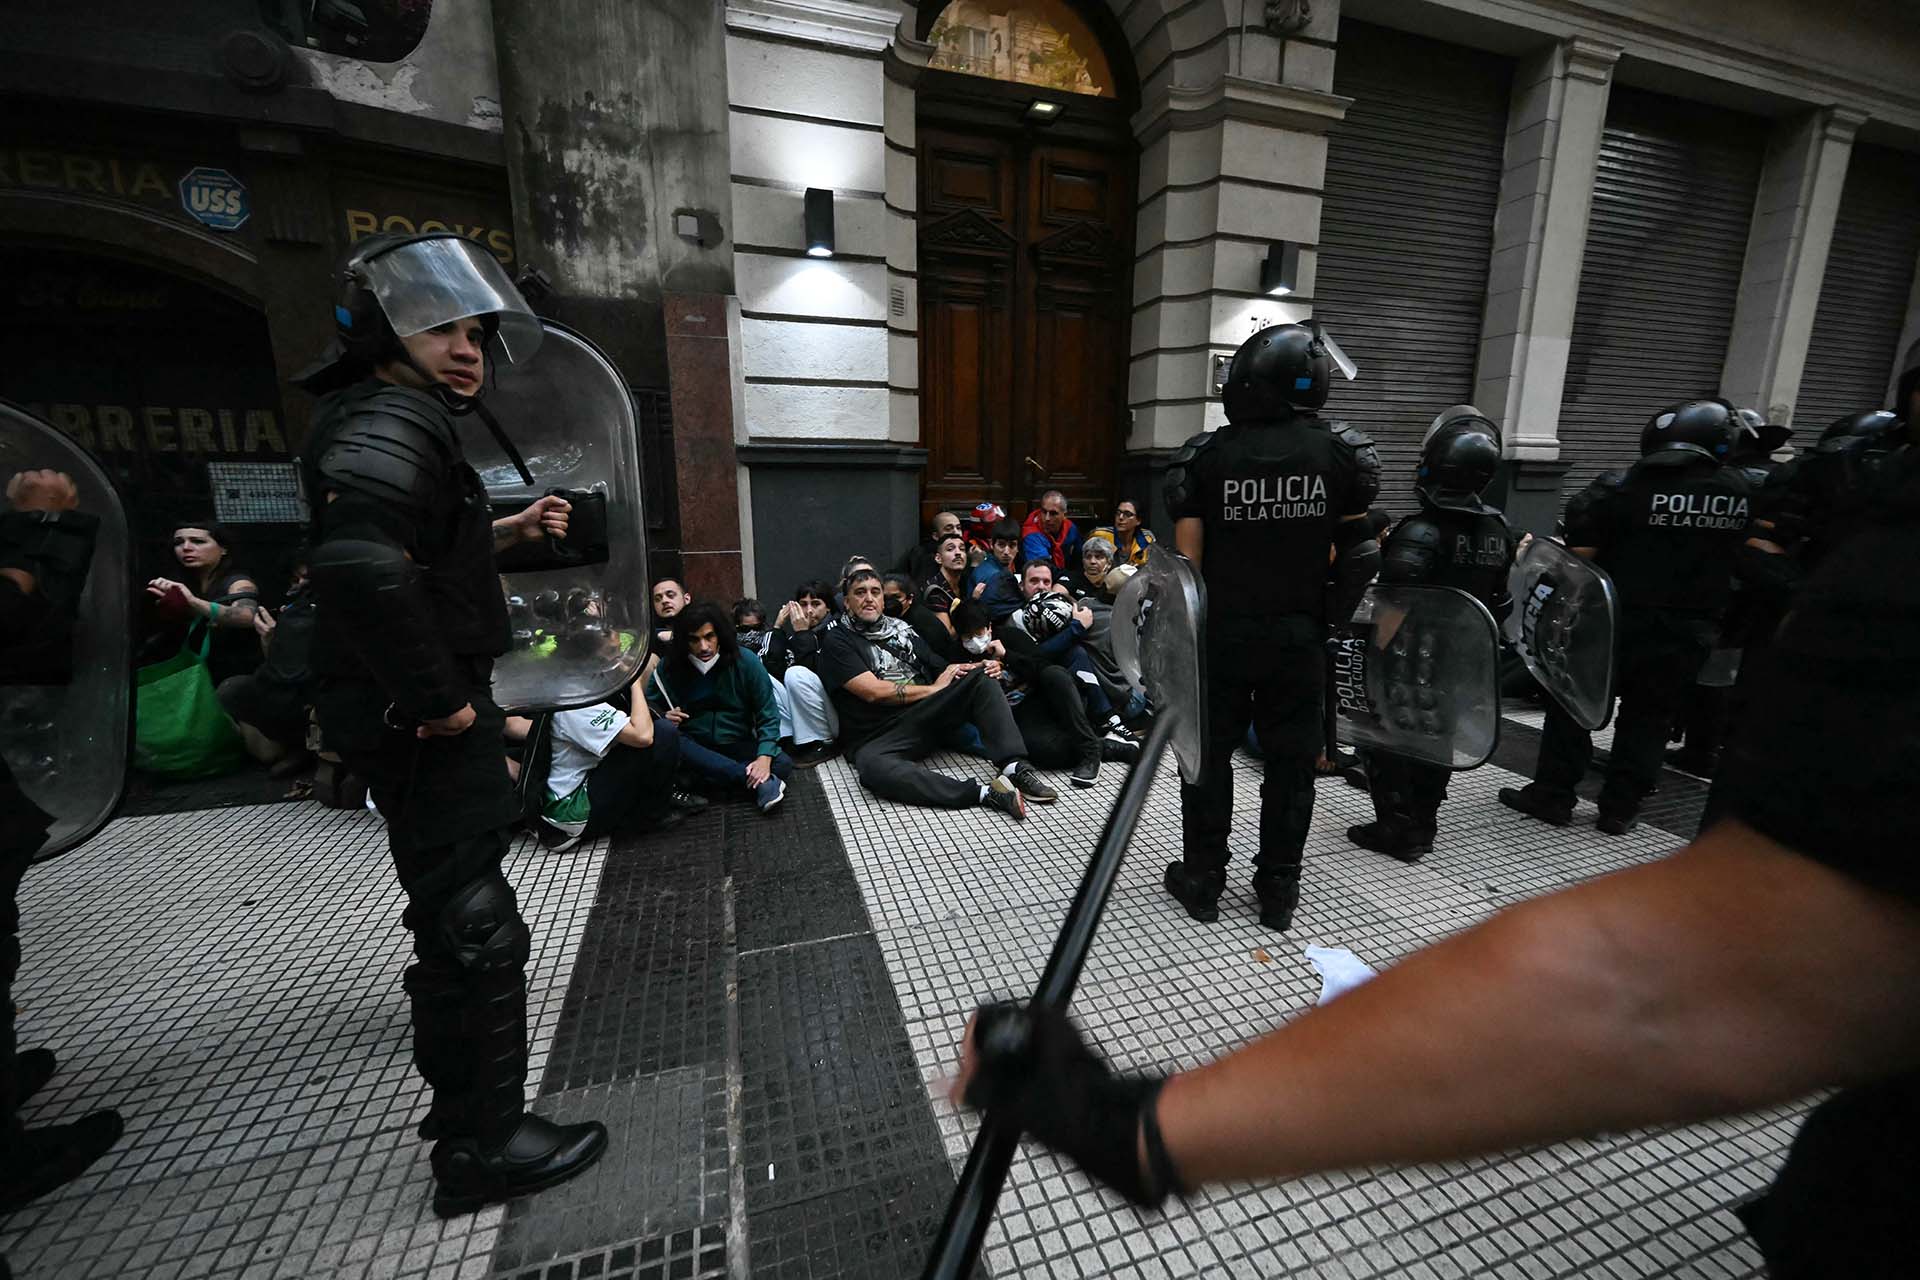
x,y
1659,659
1053,720
889,762
723,764
23,830
277,710
447,803
1406,793
633,785
1271,672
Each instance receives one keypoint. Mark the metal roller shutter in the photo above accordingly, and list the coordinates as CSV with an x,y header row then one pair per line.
x,y
1406,231
1863,296
1666,241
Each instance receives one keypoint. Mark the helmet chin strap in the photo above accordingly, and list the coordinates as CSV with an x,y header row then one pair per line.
x,y
460,405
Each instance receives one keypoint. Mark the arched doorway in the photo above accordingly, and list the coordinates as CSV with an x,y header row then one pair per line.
x,y
169,382
1026,174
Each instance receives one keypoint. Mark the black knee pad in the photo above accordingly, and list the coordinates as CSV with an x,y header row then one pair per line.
x,y
481,926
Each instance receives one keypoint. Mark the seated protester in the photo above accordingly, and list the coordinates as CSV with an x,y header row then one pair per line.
x,y
847,569
213,599
1129,537
899,703
1050,627
900,602
669,598
1101,581
1047,706
946,586
1096,558
801,622
273,704
917,561
1049,535
612,771
991,584
807,721
722,700
978,528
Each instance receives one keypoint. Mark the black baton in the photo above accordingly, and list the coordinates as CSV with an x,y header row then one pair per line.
x,y
957,1247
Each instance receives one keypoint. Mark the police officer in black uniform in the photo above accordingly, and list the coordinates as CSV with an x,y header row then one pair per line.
x,y
1455,540
1256,506
1755,609
411,618
1667,531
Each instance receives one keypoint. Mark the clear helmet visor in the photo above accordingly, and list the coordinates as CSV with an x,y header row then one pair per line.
x,y
1341,360
425,283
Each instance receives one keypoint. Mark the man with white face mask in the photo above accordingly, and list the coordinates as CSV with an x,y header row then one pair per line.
x,y
723,702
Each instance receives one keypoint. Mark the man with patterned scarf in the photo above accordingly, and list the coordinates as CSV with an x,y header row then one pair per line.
x,y
899,703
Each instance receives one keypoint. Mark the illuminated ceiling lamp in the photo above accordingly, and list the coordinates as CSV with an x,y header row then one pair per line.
x,y
1280,269
1043,111
819,222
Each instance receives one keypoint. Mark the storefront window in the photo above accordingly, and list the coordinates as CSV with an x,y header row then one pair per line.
x,y
1043,43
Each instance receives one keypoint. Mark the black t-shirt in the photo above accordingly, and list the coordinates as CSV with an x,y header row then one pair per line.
x,y
927,625
845,655
1821,760
1667,531
1270,495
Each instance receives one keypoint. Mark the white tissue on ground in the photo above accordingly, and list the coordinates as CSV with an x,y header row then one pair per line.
x,y
1340,970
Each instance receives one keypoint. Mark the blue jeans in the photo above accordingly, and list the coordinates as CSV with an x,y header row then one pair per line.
x,y
725,763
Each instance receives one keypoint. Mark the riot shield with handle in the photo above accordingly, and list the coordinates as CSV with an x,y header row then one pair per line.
x,y
1159,621
1421,678
1564,622
566,425
66,652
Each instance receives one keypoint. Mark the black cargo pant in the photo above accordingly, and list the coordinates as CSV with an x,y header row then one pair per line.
x,y
1659,657
889,762
1269,672
23,829
447,804
1053,720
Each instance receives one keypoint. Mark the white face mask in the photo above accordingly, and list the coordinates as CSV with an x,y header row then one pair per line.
x,y
976,644
704,665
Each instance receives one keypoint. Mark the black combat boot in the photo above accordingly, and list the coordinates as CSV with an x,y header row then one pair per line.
x,y
1199,894
1395,838
1279,894
1536,801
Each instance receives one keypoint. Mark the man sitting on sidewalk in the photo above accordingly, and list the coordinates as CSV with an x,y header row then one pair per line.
x,y
612,771
722,700
899,703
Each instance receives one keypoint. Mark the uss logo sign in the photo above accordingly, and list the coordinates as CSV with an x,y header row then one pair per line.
x,y
215,198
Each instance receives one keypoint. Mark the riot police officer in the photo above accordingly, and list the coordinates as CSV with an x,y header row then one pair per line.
x,y
411,617
1257,506
1667,532
1754,611
1454,540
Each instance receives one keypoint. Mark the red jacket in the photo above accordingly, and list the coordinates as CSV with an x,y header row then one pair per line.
x,y
1064,550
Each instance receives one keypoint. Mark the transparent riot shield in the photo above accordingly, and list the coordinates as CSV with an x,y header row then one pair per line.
x,y
1159,640
1418,675
66,664
578,606
1565,616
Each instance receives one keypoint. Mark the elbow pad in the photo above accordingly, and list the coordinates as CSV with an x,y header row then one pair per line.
x,y
375,591
1357,563
1180,493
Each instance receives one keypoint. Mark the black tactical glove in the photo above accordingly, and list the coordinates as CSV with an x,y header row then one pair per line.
x,y
1033,1067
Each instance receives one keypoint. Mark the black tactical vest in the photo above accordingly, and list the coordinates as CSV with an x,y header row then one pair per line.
x,y
1445,548
1666,532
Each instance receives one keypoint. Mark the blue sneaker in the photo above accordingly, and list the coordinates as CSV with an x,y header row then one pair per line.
x,y
769,794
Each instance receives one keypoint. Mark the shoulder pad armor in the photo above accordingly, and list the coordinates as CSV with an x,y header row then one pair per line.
x,y
391,444
1584,506
1366,456
1412,550
1178,490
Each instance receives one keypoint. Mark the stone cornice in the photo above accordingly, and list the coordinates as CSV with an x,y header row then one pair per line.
x,y
840,24
1238,98
1589,60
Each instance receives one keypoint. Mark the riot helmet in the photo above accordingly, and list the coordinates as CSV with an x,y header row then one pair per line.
x,y
392,286
1753,434
1694,428
1282,368
1457,459
1860,433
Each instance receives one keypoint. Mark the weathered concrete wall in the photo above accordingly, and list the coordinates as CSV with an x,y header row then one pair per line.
x,y
451,76
616,118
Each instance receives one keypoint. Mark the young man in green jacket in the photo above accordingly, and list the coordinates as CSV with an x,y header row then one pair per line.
x,y
722,700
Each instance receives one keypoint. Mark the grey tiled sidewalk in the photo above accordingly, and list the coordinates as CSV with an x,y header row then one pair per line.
x,y
230,979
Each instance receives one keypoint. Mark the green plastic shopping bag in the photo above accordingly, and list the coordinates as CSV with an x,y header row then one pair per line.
x,y
180,730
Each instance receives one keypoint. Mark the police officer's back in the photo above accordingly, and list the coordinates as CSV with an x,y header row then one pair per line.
x,y
1454,540
1258,504
1667,531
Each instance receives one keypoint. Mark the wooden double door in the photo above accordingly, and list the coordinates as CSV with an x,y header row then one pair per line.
x,y
1025,252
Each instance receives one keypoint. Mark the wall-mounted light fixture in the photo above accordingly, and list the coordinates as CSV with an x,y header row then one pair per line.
x,y
1041,111
819,222
1280,269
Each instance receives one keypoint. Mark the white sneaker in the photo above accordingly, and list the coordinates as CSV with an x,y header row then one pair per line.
x,y
558,837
